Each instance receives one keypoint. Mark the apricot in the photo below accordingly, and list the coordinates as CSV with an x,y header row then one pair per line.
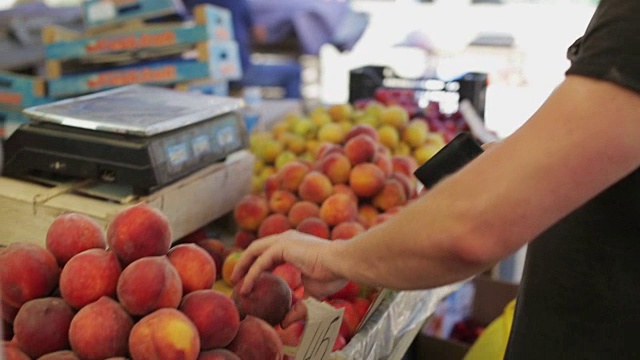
x,y
148,284
415,133
250,211
346,230
71,233
27,271
332,132
101,330
336,167
256,340
138,231
41,326
314,226
394,115
281,201
340,112
366,179
88,276
215,316
166,333
302,210
290,175
269,299
315,187
338,208
273,224
194,265
389,136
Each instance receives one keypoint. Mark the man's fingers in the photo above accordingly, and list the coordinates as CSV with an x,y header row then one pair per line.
x,y
266,261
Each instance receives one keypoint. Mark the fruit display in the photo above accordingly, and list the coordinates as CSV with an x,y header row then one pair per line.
x,y
128,292
303,136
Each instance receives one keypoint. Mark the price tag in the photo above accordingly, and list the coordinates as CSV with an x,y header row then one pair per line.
x,y
320,331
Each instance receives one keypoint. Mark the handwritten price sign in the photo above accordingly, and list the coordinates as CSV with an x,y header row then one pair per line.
x,y
320,332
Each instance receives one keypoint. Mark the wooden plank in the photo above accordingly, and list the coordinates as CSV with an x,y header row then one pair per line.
x,y
190,203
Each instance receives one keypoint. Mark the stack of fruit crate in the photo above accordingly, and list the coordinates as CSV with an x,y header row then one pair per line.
x,y
120,47
16,93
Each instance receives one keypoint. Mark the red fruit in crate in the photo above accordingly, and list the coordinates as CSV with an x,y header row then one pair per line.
x,y
290,274
269,299
250,212
350,319
349,292
340,343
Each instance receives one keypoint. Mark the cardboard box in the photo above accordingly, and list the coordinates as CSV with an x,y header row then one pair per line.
x,y
20,91
100,13
489,299
27,209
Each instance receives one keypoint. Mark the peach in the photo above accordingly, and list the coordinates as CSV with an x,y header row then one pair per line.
x,y
383,161
270,184
404,164
326,148
349,292
290,175
89,276
346,230
137,231
60,355
250,211
269,299
216,249
302,210
256,340
366,180
27,271
290,274
13,352
362,129
361,305
336,166
148,284
392,194
340,112
360,149
350,318
243,238
315,187
72,233
314,226
164,334
228,265
217,354
281,201
338,208
408,184
292,334
347,190
214,315
41,326
100,330
196,268
273,224
367,214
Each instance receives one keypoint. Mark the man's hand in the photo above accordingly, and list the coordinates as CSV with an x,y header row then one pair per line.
x,y
307,253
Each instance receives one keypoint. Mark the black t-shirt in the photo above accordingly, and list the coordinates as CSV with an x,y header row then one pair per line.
x,y
579,296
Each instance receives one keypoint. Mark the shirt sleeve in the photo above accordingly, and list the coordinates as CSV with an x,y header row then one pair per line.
x,y
610,47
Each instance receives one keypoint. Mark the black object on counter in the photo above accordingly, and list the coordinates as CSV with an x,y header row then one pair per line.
x,y
453,156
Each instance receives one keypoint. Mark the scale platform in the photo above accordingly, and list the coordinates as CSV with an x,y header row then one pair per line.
x,y
139,137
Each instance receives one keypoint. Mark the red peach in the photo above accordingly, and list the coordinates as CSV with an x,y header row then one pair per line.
x,y
215,316
315,187
290,274
250,211
194,265
273,224
290,175
367,214
327,148
360,149
408,184
404,164
269,299
349,292
164,334
391,195
314,226
335,166
302,210
256,340
350,318
366,179
138,231
244,238
71,233
338,208
216,249
27,271
346,230
101,330
88,276
383,161
362,129
347,190
148,284
41,326
281,201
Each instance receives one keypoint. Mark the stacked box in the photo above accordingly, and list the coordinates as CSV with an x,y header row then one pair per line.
x,y
17,92
104,13
159,54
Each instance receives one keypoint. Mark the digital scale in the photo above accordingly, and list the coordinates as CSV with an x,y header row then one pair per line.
x,y
140,137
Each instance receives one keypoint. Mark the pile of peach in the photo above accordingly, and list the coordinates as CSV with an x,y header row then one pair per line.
x,y
128,293
299,136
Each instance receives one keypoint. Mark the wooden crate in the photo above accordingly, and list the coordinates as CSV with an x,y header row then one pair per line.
x,y
27,209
